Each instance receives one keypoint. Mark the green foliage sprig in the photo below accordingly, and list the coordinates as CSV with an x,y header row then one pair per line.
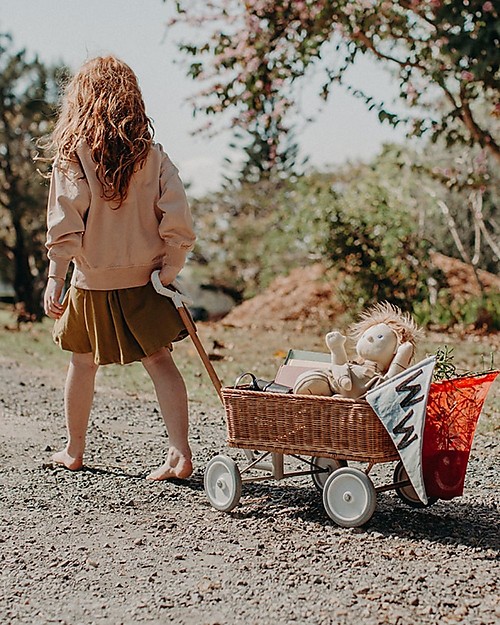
x,y
445,368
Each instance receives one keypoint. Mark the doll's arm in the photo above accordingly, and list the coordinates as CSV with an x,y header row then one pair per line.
x,y
335,342
339,368
401,360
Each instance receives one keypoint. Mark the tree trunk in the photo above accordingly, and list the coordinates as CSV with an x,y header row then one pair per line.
x,y
28,303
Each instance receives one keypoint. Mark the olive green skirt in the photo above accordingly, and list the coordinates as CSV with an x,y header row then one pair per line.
x,y
119,326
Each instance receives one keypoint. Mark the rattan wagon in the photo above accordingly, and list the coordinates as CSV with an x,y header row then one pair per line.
x,y
326,433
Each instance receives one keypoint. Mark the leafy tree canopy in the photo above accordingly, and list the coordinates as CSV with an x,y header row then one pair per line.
x,y
28,93
444,53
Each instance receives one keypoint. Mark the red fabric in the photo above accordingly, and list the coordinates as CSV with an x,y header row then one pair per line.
x,y
453,409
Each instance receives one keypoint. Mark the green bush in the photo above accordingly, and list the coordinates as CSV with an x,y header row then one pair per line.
x,y
382,262
374,224
481,313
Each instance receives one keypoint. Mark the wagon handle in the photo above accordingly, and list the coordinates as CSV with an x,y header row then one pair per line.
x,y
176,296
180,301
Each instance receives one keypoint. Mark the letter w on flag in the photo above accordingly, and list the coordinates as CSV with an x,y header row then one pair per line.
x,y
400,403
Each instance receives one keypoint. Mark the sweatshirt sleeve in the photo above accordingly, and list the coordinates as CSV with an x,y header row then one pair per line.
x,y
69,200
176,225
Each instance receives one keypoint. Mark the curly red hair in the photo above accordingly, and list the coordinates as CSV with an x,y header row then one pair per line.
x,y
103,106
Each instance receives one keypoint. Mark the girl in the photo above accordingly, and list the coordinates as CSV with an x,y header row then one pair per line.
x,y
117,210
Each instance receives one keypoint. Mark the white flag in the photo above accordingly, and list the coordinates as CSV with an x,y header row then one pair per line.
x,y
400,403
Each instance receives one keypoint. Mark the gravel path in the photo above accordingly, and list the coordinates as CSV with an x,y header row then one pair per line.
x,y
105,546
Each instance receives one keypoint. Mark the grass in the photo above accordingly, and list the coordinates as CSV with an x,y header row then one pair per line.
x,y
232,351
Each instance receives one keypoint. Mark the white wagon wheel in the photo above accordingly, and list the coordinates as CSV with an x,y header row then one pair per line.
x,y
222,483
349,497
329,465
407,493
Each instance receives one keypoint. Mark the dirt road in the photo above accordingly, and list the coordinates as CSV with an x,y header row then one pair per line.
x,y
106,546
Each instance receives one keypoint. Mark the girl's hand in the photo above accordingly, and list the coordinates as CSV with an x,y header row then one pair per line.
x,y
168,274
51,299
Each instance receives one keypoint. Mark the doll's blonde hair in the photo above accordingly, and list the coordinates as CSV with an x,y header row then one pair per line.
x,y
103,106
402,323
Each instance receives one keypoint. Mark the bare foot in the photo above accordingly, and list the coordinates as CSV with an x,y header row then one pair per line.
x,y
177,466
70,462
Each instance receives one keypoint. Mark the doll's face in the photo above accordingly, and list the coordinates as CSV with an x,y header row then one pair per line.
x,y
378,344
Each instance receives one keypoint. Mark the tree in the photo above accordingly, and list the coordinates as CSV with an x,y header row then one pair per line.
x,y
28,94
464,187
262,159
444,53
378,224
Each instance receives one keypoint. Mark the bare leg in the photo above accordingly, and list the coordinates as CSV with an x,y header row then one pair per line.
x,y
172,397
78,397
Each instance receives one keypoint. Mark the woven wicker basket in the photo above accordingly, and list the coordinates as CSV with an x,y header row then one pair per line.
x,y
331,427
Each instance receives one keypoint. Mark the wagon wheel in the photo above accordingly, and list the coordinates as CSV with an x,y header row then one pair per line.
x,y
222,483
407,493
329,465
349,497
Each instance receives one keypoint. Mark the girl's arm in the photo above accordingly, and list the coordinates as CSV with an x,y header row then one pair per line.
x,y
69,200
176,226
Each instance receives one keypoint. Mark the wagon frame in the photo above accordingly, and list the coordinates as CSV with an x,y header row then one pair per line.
x,y
331,431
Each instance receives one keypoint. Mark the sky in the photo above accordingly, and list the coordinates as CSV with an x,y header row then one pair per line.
x,y
71,31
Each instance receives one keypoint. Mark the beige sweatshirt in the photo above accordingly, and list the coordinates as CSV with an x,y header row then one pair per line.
x,y
117,249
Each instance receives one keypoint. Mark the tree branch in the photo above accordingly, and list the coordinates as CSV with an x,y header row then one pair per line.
x,y
409,7
477,204
482,137
358,35
452,227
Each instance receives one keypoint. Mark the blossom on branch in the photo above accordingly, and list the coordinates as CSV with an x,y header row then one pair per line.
x,y
257,52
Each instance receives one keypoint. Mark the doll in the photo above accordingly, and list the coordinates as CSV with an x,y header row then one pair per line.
x,y
385,345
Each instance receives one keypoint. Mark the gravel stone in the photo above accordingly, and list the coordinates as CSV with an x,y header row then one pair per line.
x,y
106,546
